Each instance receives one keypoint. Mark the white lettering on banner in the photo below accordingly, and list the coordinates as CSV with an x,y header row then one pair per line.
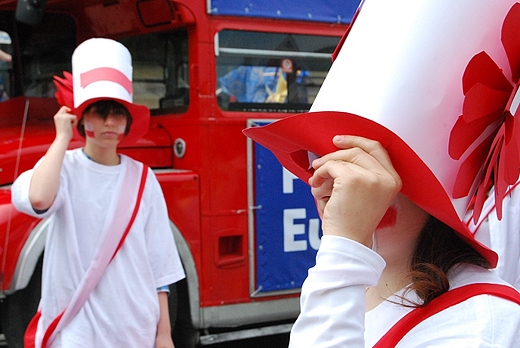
x,y
288,180
290,230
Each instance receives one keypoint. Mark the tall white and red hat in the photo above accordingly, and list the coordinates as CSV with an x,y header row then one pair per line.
x,y
436,83
102,70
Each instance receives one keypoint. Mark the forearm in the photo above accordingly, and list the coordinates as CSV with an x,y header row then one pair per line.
x,y
164,337
45,179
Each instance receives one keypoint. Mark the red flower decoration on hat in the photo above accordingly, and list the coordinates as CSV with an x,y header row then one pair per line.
x,y
490,116
64,92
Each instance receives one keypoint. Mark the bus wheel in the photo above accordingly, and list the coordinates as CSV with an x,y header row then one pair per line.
x,y
17,310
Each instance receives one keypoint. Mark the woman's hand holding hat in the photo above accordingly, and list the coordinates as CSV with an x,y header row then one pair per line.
x,y
354,187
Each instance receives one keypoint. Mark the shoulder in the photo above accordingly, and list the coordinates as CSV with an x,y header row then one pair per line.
x,y
465,274
131,163
152,185
480,321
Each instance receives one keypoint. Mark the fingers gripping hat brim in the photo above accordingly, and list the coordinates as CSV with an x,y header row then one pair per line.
x,y
297,139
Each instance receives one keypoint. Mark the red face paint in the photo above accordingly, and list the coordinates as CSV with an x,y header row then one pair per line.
x,y
89,131
389,219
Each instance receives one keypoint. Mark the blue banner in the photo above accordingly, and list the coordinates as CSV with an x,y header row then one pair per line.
x,y
329,11
288,229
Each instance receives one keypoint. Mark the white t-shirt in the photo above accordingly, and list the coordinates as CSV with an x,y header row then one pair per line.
x,y
123,310
333,306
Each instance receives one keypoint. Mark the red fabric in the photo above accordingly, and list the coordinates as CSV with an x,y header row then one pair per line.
x,y
29,337
446,300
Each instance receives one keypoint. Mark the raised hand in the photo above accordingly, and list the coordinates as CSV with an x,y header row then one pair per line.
x,y
354,187
65,121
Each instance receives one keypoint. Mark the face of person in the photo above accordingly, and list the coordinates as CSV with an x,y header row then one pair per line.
x,y
109,130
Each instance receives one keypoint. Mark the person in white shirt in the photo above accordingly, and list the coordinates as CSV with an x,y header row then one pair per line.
x,y
80,191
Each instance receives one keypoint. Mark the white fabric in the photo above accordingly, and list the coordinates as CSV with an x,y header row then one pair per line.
x,y
333,306
123,310
503,236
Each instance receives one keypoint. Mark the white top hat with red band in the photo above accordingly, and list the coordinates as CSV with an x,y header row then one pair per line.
x,y
102,70
436,83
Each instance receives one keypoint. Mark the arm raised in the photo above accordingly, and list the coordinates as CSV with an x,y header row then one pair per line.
x,y
45,180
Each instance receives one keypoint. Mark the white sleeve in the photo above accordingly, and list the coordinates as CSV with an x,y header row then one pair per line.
x,y
333,295
20,193
20,196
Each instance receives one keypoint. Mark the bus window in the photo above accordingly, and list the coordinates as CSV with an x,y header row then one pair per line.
x,y
160,71
270,72
37,54
45,51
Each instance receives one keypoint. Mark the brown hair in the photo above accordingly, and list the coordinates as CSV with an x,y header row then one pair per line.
x,y
105,108
438,249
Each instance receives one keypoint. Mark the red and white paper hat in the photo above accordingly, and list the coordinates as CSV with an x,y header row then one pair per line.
x,y
102,70
436,83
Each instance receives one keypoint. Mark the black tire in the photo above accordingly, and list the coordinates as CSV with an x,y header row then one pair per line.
x,y
183,333
17,310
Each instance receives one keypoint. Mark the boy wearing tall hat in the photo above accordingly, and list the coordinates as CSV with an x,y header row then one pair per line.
x,y
89,195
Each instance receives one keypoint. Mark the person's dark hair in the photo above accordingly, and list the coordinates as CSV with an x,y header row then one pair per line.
x,y
438,249
105,108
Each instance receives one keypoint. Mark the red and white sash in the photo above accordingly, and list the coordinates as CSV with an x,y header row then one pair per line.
x,y
446,300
